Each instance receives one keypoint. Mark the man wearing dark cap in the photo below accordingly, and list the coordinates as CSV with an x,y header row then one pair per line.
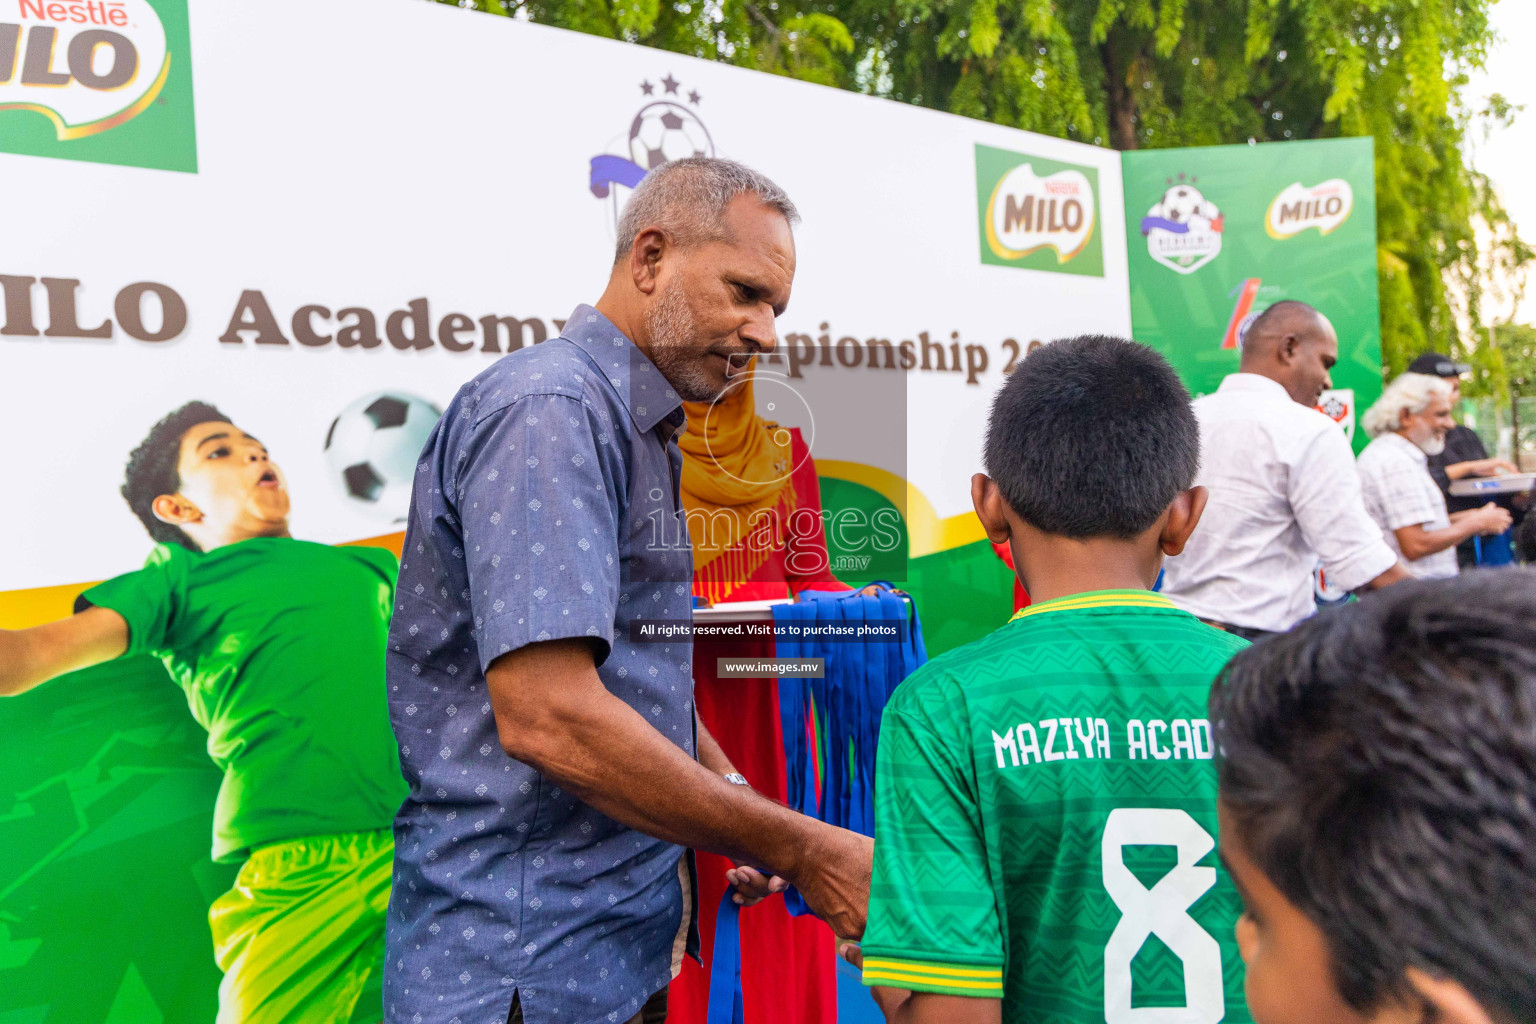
x,y
1464,455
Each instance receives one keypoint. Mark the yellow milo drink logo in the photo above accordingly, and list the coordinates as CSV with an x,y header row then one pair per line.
x,y
1324,206
1028,212
101,80
1037,214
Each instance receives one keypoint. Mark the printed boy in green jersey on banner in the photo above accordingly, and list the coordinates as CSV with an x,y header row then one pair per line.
x,y
1045,803
279,645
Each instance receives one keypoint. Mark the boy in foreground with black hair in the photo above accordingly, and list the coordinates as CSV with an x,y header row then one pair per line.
x,y
279,645
1045,809
1378,807
1525,540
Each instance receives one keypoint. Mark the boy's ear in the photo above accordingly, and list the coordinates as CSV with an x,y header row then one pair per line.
x,y
988,501
1452,1004
1183,516
174,509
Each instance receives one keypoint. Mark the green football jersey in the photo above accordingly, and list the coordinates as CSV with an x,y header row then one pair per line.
x,y
1045,821
279,645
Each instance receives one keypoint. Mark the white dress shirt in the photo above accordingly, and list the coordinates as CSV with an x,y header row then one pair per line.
x,y
1394,477
1284,495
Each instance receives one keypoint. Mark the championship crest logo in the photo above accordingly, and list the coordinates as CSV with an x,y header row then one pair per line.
x,y
665,128
1183,229
1338,404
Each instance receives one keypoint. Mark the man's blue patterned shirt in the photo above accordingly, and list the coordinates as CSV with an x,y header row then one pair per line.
x,y
535,516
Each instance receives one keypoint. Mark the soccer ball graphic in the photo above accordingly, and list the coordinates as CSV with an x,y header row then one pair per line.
x,y
372,449
664,131
1183,203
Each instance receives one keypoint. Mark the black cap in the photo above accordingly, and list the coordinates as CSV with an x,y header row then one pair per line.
x,y
1436,365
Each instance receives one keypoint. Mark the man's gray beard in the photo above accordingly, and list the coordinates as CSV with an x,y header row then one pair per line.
x,y
1432,446
677,355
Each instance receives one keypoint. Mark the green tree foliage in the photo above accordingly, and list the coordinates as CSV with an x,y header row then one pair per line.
x,y
1152,73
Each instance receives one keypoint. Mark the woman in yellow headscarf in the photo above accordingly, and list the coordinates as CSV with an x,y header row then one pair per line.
x,y
754,517
753,503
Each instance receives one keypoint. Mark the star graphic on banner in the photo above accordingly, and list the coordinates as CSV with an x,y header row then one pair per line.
x,y
647,88
693,97
670,84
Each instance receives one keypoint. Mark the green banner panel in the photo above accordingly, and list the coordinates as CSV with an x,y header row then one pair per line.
x,y
1217,233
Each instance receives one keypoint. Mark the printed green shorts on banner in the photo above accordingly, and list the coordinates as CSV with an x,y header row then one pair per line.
x,y
300,936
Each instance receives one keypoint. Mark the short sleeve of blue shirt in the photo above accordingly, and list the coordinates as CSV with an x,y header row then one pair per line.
x,y
538,492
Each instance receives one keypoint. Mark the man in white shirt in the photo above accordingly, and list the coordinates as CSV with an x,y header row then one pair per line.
x,y
1409,423
1283,488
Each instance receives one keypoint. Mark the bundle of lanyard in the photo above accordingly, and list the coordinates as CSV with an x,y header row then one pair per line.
x,y
831,727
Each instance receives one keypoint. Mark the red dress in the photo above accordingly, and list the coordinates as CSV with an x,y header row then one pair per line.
x,y
788,964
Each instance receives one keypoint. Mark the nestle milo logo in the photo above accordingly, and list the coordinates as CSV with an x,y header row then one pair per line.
x,y
1324,206
76,75
1037,214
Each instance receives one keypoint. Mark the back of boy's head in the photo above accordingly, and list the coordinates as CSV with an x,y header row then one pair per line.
x,y
1379,763
1092,436
1525,539
152,469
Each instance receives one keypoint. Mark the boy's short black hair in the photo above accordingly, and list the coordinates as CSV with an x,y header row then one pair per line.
x,y
1092,436
152,470
1525,539
1378,763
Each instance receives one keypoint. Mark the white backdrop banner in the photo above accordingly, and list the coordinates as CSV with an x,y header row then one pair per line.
x,y
389,194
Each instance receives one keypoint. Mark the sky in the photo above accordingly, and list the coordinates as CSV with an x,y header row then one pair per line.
x,y
1508,156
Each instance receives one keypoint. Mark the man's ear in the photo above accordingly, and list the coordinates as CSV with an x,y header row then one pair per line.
x,y
988,501
645,258
174,509
1286,349
1183,516
1452,1004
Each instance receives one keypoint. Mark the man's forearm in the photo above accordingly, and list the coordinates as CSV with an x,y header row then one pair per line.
x,y
554,714
1423,543
605,753
711,756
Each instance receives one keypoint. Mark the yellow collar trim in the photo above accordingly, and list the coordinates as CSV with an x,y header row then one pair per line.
x,y
1097,599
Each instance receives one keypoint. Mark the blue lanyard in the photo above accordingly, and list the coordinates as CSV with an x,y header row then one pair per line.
x,y
725,965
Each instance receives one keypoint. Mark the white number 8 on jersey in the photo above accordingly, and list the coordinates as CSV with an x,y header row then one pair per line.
x,y
1162,911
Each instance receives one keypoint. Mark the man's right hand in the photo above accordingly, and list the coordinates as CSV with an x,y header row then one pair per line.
x,y
1493,520
833,877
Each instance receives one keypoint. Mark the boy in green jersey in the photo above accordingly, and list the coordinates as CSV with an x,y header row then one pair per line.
x,y
1045,803
279,645
1378,804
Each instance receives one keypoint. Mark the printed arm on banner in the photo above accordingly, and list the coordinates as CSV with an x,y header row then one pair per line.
x,y
554,714
30,657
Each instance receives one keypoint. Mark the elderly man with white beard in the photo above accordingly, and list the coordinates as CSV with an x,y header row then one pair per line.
x,y
1409,424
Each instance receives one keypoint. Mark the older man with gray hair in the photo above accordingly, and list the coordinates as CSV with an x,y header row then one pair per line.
x,y
557,767
1408,424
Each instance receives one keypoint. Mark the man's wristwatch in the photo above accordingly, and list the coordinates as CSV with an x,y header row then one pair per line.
x,y
737,779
